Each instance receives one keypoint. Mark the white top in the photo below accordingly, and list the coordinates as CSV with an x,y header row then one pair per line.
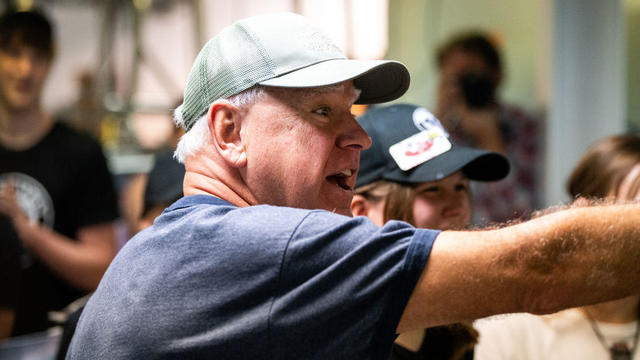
x,y
563,335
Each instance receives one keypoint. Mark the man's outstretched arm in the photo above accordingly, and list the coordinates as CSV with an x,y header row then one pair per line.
x,y
567,258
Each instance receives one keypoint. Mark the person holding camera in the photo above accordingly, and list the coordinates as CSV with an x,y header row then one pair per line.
x,y
470,71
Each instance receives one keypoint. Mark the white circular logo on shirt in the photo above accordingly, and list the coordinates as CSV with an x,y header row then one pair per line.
x,y
32,197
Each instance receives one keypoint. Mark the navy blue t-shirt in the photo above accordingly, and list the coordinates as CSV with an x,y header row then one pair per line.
x,y
214,281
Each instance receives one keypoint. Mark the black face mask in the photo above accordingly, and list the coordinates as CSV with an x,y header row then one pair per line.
x,y
478,89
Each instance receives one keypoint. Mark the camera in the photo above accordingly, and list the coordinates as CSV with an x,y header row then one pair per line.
x,y
478,89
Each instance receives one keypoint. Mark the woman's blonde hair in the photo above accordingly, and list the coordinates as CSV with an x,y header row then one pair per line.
x,y
399,198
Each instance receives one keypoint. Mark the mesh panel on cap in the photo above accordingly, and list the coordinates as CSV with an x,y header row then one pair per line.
x,y
228,64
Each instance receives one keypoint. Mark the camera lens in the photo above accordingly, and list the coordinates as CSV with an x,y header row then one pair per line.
x,y
478,89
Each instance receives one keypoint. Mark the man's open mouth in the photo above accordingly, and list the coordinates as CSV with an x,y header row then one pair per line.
x,y
342,179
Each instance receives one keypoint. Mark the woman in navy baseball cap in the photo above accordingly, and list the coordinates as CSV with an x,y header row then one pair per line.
x,y
413,172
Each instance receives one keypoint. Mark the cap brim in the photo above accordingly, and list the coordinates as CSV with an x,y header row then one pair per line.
x,y
480,165
379,80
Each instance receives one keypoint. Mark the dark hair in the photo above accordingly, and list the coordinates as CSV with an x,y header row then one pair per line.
x,y
29,28
604,166
473,42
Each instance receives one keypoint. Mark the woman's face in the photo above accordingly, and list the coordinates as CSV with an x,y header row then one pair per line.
x,y
628,187
443,204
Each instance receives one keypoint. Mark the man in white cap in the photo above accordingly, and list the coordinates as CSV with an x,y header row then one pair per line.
x,y
260,260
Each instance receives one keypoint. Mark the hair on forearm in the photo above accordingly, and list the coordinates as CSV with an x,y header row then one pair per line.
x,y
594,255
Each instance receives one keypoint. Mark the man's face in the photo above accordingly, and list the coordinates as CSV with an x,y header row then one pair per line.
x,y
23,71
303,148
443,204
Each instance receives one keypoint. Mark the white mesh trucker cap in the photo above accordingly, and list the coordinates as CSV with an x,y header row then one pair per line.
x,y
284,50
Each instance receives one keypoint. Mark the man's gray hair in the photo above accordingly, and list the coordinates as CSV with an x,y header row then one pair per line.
x,y
193,139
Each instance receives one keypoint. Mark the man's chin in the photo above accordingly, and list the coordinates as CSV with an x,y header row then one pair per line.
x,y
21,104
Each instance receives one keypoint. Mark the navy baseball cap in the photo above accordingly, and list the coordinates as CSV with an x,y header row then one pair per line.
x,y
409,145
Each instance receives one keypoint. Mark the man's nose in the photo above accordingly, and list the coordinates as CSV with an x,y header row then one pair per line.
x,y
353,137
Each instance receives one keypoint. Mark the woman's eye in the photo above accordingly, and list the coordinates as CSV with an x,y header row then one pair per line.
x,y
431,189
323,111
461,187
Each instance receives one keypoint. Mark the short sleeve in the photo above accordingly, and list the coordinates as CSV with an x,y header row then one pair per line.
x,y
345,282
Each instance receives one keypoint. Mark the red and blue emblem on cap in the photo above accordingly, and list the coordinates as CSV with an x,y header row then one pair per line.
x,y
430,142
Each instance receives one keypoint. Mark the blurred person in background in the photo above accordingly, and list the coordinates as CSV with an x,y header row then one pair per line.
x,y
56,192
146,194
163,187
434,193
159,188
610,169
468,104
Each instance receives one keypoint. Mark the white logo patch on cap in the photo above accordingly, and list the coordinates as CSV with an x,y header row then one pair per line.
x,y
423,146
425,120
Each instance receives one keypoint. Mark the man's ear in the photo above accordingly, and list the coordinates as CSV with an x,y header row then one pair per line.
x,y
359,206
225,122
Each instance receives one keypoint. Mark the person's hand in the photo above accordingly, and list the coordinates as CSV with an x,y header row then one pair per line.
x,y
8,200
449,101
10,207
478,122
482,126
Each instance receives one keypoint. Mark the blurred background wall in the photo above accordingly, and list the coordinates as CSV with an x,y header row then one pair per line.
x,y
121,64
632,61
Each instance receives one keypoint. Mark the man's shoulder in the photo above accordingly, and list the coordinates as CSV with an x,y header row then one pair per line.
x,y
210,210
205,217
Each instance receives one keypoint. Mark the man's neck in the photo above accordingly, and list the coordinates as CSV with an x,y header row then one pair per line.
x,y
206,176
21,129
197,184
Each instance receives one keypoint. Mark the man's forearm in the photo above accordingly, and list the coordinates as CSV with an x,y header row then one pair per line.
x,y
581,256
572,257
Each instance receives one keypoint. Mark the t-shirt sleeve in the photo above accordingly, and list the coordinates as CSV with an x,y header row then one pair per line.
x,y
345,283
97,200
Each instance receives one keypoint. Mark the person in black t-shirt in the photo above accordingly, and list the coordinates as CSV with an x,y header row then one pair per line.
x,y
56,192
